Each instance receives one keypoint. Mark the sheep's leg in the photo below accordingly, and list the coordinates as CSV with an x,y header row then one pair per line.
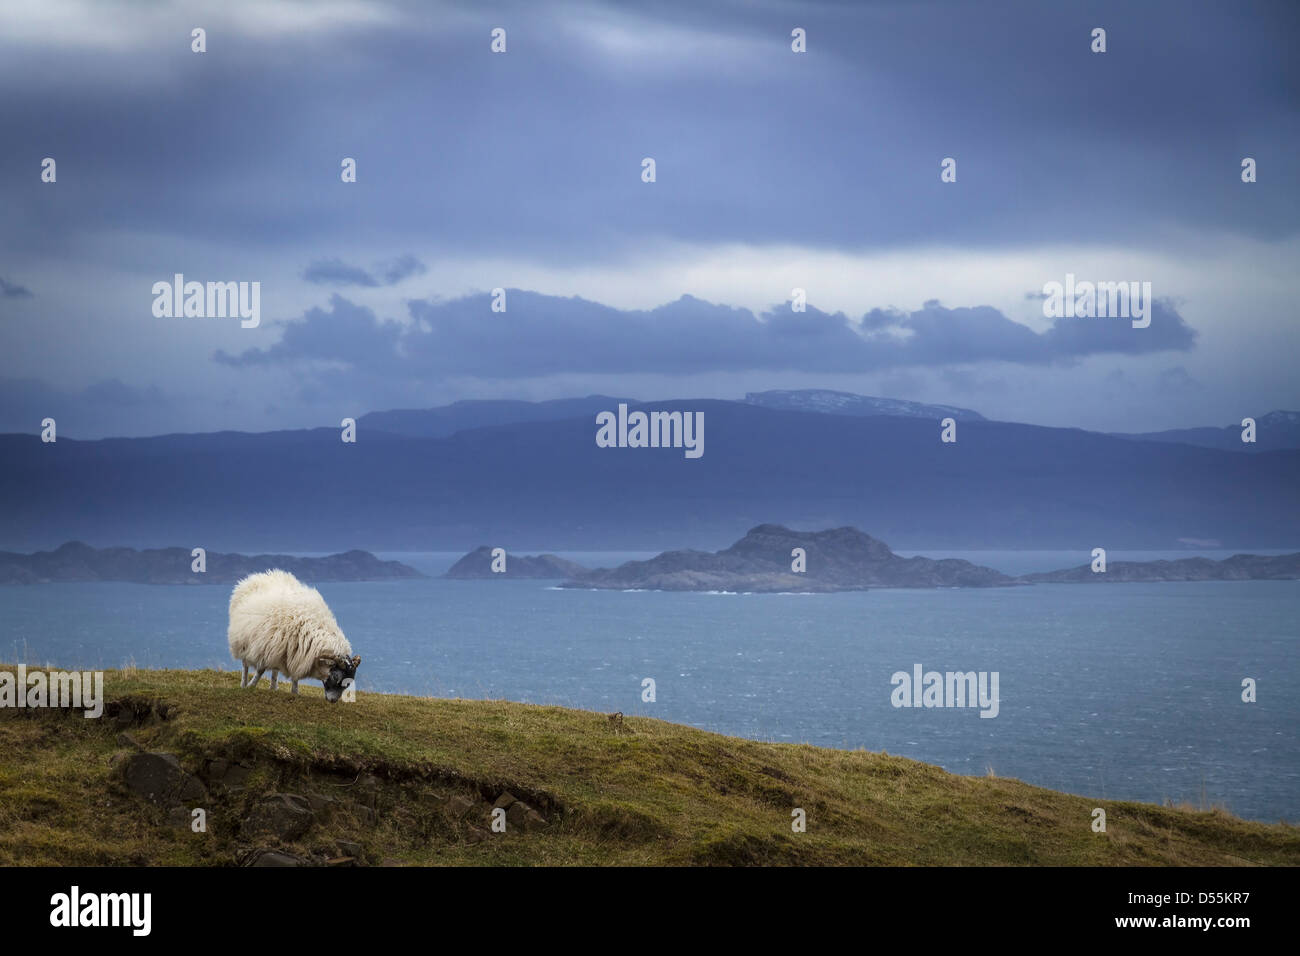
x,y
257,677
243,681
295,687
275,679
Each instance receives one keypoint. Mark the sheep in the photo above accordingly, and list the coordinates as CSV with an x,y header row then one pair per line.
x,y
241,638
277,623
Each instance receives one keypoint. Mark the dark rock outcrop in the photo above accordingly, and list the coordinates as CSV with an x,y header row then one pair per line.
x,y
285,816
459,805
76,561
519,815
159,778
478,564
841,559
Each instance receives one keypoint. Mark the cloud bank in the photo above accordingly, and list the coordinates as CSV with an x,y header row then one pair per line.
x,y
541,335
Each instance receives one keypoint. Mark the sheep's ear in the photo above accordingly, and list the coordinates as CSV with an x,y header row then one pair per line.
x,y
356,662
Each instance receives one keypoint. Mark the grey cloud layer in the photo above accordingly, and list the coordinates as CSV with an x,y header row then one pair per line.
x,y
537,151
542,335
225,165
10,290
99,409
337,272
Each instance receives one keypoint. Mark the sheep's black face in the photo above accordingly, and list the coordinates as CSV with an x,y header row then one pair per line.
x,y
341,671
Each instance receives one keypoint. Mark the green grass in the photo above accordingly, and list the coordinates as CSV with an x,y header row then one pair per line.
x,y
649,792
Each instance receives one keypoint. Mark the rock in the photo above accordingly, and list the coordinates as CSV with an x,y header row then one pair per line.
x,y
504,801
276,858
160,779
320,801
533,819
348,848
459,805
517,815
126,740
341,861
286,816
475,835
226,773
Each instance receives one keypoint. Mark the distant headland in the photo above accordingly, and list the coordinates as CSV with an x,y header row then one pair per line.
x,y
76,561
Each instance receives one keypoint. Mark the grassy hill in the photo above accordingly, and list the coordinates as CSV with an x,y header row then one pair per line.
x,y
393,779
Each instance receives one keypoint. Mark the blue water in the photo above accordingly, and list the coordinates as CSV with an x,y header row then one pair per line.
x,y
1123,691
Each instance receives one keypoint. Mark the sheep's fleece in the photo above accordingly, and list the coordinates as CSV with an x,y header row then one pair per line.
x,y
278,623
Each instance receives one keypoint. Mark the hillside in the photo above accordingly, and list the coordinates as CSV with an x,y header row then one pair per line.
x,y
482,413
393,779
1273,431
548,486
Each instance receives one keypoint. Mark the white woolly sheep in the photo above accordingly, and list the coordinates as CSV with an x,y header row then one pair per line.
x,y
277,623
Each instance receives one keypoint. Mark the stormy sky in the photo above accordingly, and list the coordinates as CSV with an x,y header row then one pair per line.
x,y
522,170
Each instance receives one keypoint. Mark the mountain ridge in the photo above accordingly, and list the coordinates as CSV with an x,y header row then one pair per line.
x,y
547,484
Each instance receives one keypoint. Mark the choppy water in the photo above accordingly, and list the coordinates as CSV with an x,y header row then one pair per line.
x,y
1124,691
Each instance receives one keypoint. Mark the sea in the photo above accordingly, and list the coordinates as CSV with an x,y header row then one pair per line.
x,y
1114,691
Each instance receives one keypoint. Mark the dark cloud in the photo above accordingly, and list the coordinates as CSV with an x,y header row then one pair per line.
x,y
1092,336
9,290
401,268
170,162
337,272
345,333
542,335
538,151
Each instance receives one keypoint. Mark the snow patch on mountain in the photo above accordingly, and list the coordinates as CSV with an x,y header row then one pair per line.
x,y
846,403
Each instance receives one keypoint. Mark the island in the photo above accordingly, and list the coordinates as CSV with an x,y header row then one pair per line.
x,y
1239,567
765,559
77,561
478,564
768,560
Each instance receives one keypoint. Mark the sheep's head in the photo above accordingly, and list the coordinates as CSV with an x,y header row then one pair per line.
x,y
341,670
